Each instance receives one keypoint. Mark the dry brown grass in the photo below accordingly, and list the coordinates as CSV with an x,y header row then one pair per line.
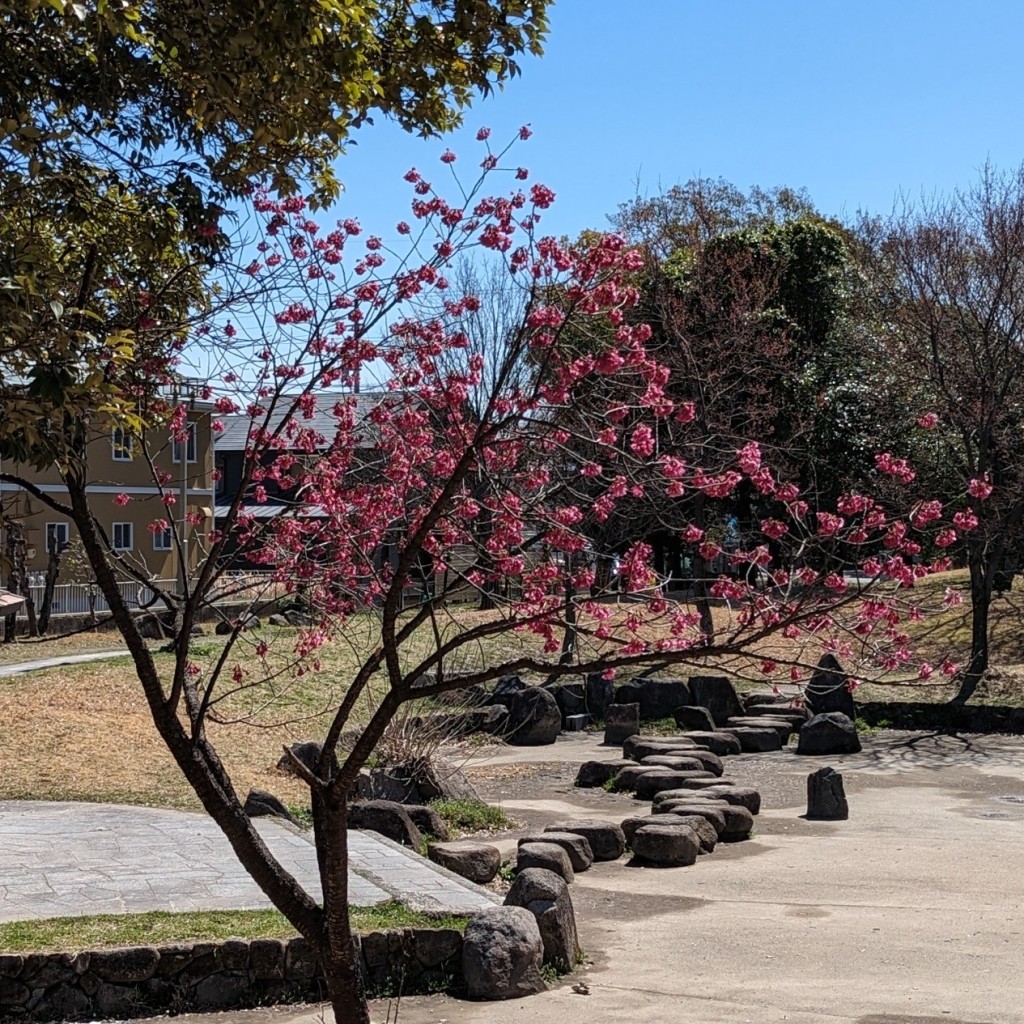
x,y
84,732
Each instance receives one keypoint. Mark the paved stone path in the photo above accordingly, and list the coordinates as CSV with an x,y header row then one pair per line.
x,y
66,659
71,859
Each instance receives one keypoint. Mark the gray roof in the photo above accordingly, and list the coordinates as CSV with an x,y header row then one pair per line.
x,y
236,428
273,511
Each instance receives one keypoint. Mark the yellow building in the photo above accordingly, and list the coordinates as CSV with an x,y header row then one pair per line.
x,y
133,483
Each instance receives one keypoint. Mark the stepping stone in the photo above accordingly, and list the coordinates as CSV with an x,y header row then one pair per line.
x,y
502,954
549,856
547,897
606,839
826,798
650,783
738,820
757,741
479,862
744,796
695,808
576,847
720,743
674,845
627,778
678,762
593,774
795,716
639,747
706,833
783,726
689,787
711,762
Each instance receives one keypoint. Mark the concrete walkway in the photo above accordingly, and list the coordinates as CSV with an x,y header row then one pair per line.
x,y
6,671
71,859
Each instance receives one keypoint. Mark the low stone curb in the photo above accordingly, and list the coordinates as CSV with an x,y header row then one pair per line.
x,y
233,974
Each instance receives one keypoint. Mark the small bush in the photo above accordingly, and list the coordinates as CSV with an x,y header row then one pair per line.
x,y
472,816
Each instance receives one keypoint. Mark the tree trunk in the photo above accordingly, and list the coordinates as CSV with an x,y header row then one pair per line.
x,y
52,573
337,949
981,601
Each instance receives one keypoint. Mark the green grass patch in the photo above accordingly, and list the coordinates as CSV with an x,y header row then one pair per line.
x,y
660,727
472,816
158,927
865,728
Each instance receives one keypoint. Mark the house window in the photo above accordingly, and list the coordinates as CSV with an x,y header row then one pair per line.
x,y
122,443
162,540
122,536
190,446
56,537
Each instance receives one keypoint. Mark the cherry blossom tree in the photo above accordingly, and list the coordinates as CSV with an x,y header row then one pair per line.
x,y
487,470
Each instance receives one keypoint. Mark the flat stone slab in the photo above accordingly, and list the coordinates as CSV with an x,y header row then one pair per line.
x,y
74,859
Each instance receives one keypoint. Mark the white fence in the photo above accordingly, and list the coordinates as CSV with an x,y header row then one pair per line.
x,y
81,598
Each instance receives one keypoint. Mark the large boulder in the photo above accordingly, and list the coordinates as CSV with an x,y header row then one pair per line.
x,y
593,774
388,818
260,803
718,695
658,698
606,839
479,862
546,896
721,743
430,778
502,954
600,693
668,845
828,689
830,733
621,722
576,847
428,821
505,690
826,798
533,718
306,752
694,717
571,698
549,856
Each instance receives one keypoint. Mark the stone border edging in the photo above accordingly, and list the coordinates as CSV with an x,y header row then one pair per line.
x,y
232,974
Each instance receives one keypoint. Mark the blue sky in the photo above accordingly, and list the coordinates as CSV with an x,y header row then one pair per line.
x,y
854,101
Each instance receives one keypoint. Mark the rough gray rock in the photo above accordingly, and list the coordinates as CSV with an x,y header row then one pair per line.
x,y
502,954
669,845
826,797
714,816
226,626
306,752
694,717
710,762
600,692
795,716
638,747
479,862
718,695
571,698
680,761
738,820
626,778
546,896
606,839
261,804
658,698
827,689
621,721
576,847
549,856
830,733
720,743
781,724
388,818
690,787
593,774
428,821
657,781
505,689
743,796
533,718
706,833
755,740
421,780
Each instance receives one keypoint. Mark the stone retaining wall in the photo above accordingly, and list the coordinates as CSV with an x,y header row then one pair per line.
x,y
980,718
235,973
